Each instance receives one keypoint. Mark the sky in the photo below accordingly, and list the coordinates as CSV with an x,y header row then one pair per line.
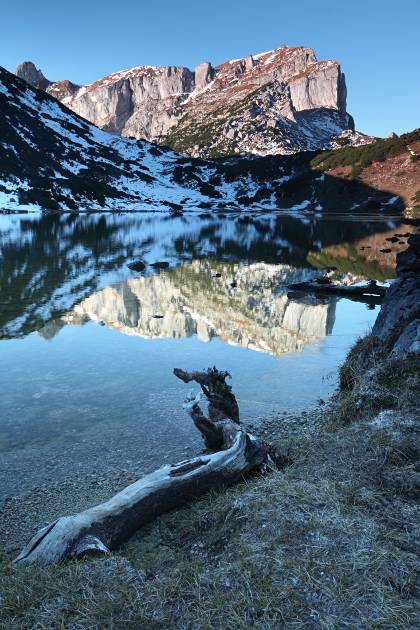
x,y
375,41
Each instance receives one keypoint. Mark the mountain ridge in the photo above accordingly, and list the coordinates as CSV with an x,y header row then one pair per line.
x,y
51,158
281,101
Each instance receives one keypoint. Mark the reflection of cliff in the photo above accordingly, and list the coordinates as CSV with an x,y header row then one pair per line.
x,y
50,263
255,313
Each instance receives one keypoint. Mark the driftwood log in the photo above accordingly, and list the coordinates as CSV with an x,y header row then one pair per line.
x,y
231,454
369,292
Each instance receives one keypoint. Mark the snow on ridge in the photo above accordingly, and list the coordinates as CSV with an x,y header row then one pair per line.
x,y
118,75
3,88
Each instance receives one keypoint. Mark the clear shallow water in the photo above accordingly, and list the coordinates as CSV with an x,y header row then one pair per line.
x,y
87,346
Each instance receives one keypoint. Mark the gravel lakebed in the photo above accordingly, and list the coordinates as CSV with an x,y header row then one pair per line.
x,y
42,483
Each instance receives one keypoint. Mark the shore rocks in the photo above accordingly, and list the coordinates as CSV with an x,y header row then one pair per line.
x,y
408,261
408,343
398,323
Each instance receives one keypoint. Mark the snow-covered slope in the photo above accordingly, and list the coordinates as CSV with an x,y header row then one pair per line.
x,y
51,158
279,102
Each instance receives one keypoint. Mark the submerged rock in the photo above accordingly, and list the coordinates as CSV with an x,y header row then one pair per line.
x,y
137,265
161,264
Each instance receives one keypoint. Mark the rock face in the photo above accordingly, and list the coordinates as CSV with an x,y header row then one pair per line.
x,y
32,75
398,323
204,74
279,102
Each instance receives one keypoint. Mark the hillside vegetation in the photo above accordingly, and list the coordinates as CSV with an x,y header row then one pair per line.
x,y
363,156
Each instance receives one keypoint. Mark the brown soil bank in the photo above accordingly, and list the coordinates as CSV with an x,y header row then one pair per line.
x,y
392,164
326,541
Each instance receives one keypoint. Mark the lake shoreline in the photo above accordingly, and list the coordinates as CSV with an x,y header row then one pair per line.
x,y
262,551
35,505
327,539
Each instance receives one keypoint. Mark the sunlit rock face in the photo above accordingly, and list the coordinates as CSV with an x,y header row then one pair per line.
x,y
279,102
188,300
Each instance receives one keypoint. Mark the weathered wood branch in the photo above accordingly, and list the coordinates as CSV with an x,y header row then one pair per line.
x,y
370,292
105,527
222,402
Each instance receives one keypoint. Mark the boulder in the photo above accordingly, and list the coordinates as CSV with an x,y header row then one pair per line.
x,y
398,323
401,303
408,343
408,261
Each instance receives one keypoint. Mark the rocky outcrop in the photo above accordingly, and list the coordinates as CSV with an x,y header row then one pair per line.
x,y
204,74
398,323
63,89
319,85
381,371
32,75
279,102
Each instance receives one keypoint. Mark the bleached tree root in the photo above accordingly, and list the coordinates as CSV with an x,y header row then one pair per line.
x,y
105,527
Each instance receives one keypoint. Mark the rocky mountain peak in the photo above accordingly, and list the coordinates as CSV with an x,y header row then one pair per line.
x,y
62,90
32,75
277,102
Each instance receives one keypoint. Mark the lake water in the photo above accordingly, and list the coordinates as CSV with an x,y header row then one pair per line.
x,y
87,346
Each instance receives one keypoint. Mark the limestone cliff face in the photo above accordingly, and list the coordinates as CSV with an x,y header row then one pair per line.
x,y
319,85
140,102
256,313
278,102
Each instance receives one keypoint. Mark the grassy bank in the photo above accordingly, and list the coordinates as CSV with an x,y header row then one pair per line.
x,y
325,541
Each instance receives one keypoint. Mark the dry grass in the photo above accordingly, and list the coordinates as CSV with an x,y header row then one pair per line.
x,y
369,383
328,543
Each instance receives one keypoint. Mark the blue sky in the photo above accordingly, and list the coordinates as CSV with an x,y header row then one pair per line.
x,y
376,42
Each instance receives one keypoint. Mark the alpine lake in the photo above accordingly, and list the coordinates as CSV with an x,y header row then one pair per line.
x,y
87,345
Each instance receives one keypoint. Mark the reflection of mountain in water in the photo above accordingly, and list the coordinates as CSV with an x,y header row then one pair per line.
x,y
50,263
191,299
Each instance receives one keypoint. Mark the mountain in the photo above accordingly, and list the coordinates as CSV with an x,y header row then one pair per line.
x,y
279,102
51,158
